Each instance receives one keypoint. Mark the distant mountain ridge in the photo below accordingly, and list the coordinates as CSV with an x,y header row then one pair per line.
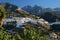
x,y
40,11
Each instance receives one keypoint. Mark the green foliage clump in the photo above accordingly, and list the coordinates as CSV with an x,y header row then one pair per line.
x,y
6,36
32,32
3,13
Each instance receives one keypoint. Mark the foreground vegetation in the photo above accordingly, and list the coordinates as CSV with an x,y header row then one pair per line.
x,y
30,32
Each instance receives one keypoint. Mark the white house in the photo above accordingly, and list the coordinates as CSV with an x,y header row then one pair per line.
x,y
53,35
42,21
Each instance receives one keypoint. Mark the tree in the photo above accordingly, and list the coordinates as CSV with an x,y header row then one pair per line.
x,y
2,15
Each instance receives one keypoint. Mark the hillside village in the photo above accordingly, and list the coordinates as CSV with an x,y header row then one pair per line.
x,y
22,20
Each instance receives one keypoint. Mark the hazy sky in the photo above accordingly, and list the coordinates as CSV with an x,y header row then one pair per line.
x,y
44,3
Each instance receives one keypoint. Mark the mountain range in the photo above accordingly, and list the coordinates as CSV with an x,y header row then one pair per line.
x,y
49,14
39,9
41,12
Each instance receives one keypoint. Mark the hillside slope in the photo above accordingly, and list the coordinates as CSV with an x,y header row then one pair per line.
x,y
29,32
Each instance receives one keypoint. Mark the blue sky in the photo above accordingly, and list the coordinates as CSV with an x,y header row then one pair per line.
x,y
44,3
